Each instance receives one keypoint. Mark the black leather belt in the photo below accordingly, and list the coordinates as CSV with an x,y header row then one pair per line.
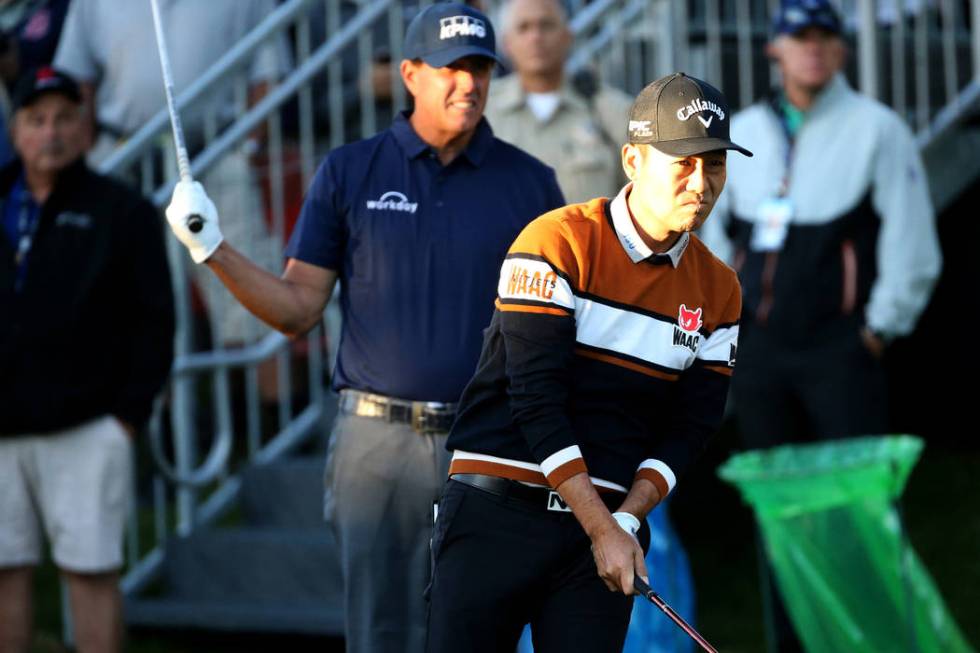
x,y
540,498
423,416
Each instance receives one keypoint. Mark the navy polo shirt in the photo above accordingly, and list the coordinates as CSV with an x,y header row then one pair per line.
x,y
417,247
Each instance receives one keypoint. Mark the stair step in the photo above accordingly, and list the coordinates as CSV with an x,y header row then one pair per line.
x,y
301,617
284,494
253,564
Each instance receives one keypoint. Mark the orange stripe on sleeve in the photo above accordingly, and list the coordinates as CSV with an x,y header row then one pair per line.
x,y
564,472
487,468
720,369
656,478
525,308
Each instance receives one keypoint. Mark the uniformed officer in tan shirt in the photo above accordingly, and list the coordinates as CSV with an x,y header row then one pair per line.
x,y
576,129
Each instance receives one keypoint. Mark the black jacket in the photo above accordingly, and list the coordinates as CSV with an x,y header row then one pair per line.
x,y
91,333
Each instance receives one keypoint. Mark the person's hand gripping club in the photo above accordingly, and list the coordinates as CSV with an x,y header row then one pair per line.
x,y
189,199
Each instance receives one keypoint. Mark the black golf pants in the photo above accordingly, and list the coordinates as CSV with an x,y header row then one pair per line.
x,y
500,563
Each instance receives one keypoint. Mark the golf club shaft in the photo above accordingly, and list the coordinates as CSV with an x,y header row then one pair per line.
x,y
646,591
194,222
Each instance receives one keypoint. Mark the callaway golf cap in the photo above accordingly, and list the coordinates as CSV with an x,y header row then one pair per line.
x,y
680,116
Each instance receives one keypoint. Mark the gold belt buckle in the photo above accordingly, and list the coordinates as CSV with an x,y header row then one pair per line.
x,y
366,406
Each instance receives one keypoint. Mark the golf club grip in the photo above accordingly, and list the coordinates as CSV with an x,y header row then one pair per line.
x,y
641,587
195,223
652,596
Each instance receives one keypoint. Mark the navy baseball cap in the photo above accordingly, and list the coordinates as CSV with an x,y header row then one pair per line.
x,y
445,32
40,81
794,16
681,116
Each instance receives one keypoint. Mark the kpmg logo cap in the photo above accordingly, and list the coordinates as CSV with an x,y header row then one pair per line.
x,y
447,31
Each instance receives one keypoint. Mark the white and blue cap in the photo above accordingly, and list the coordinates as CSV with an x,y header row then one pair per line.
x,y
794,16
444,32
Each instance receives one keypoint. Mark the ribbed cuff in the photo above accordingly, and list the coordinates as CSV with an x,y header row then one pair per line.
x,y
562,465
658,473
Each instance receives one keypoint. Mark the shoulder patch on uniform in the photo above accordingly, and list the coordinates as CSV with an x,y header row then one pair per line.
x,y
533,279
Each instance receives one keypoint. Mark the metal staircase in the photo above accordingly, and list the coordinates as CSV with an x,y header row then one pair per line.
x,y
232,537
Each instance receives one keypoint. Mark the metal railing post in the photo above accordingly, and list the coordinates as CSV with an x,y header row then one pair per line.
x,y
306,115
867,47
898,72
743,28
395,35
947,11
662,23
712,24
335,80
365,82
975,36
682,50
921,49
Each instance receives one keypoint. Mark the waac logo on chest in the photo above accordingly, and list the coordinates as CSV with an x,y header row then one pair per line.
x,y
686,331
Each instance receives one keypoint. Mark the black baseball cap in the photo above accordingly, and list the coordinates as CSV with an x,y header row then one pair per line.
x,y
444,32
794,16
39,81
681,116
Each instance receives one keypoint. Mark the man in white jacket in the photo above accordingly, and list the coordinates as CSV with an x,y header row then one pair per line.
x,y
832,232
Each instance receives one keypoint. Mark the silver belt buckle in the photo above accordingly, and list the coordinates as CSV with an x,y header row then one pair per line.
x,y
556,503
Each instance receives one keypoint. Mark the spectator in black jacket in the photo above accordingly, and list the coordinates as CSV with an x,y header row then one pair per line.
x,y
86,341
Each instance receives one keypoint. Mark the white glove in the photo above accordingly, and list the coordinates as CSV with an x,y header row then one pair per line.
x,y
190,199
628,522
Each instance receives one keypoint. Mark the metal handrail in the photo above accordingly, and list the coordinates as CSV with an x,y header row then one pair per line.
x,y
256,352
149,566
237,57
610,31
590,15
213,466
950,115
278,96
216,462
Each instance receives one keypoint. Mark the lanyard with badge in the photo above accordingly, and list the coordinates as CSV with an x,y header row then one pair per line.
x,y
776,213
28,219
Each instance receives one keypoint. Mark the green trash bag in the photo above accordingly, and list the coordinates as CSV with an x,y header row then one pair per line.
x,y
849,578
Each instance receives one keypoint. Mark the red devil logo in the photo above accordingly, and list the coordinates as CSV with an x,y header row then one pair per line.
x,y
688,319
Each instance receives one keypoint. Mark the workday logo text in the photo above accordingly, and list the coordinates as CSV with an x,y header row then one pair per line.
x,y
393,201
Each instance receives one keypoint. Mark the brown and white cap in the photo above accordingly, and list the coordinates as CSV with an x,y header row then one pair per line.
x,y
681,116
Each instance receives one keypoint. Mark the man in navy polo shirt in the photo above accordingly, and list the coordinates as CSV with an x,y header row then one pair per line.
x,y
414,223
